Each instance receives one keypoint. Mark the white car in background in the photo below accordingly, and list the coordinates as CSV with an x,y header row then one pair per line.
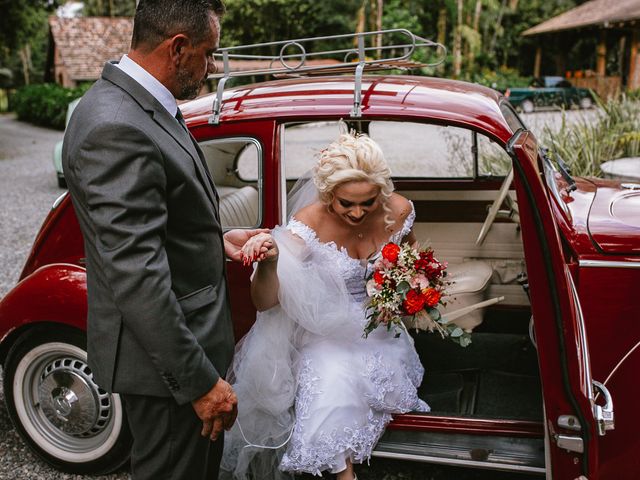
x,y
57,150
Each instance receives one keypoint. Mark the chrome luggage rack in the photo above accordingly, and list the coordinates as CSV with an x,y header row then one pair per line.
x,y
392,56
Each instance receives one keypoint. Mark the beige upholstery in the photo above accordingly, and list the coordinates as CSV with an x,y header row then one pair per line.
x,y
240,207
470,282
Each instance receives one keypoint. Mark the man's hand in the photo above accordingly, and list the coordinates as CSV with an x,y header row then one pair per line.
x,y
235,239
217,409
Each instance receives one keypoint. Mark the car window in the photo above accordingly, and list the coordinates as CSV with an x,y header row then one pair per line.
x,y
511,117
425,150
235,166
412,150
302,144
493,160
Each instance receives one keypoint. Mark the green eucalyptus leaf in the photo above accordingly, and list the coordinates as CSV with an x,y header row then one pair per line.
x,y
434,313
403,287
457,332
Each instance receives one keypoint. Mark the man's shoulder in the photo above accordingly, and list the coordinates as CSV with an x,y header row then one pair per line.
x,y
105,104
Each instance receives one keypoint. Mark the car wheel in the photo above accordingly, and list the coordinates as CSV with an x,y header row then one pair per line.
x,y
586,102
527,106
62,183
57,408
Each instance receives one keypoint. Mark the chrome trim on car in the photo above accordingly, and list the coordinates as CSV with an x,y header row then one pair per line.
x,y
608,264
58,200
587,379
457,462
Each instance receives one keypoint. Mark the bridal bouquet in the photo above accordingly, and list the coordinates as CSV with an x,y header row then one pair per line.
x,y
405,288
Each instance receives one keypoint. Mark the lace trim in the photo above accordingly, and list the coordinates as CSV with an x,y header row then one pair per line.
x,y
394,392
329,452
303,230
406,226
348,264
307,380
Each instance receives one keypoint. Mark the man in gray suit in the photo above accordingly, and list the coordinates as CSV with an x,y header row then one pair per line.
x,y
159,326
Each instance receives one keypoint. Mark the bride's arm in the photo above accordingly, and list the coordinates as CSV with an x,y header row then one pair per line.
x,y
264,284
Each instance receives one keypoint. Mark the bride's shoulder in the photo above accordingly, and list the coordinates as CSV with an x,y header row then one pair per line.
x,y
400,206
304,223
311,215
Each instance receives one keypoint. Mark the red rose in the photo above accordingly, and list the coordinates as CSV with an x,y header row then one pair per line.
x,y
427,255
431,297
434,270
421,264
378,277
413,302
390,252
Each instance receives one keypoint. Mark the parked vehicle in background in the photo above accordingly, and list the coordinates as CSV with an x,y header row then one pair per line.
x,y
57,150
535,391
549,92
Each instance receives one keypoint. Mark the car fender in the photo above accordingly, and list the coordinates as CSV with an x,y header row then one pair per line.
x,y
55,293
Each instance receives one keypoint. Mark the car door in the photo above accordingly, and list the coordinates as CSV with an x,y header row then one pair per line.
x,y
240,159
573,419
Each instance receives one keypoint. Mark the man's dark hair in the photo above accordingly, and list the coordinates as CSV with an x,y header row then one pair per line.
x,y
157,20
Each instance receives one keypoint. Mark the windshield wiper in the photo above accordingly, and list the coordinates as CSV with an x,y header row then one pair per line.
x,y
565,171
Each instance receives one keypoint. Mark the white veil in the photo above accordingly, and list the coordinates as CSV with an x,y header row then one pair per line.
x,y
314,302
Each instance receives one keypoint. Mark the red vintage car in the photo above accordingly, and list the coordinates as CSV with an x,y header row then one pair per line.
x,y
536,389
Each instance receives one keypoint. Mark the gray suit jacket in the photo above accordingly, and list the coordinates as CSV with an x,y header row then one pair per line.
x,y
158,320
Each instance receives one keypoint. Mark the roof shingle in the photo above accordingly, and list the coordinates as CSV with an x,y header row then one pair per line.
x,y
86,43
593,13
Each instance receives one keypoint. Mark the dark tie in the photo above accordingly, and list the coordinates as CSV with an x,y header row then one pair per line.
x,y
181,121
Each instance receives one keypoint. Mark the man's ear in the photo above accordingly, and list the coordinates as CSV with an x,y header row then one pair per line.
x,y
177,45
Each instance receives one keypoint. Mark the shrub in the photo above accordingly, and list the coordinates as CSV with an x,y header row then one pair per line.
x,y
500,79
44,104
585,145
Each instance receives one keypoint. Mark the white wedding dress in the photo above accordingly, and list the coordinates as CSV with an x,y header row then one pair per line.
x,y
342,388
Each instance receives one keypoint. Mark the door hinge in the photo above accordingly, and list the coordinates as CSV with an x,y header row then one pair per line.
x,y
570,422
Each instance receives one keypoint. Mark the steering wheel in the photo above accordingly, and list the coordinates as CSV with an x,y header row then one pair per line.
x,y
495,207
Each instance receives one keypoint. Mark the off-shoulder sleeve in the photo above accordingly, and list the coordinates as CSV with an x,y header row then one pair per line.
x,y
406,226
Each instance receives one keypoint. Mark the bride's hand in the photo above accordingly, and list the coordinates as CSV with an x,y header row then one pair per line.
x,y
261,247
235,239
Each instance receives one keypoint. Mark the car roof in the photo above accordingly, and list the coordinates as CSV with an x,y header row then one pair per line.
x,y
383,96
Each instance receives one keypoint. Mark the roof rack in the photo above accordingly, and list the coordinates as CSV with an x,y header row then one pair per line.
x,y
293,59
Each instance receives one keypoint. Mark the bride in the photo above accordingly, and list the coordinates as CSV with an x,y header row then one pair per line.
x,y
315,395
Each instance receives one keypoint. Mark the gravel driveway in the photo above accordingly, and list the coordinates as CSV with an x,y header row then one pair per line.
x,y
28,188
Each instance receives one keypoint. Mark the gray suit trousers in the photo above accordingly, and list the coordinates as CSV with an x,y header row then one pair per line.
x,y
168,444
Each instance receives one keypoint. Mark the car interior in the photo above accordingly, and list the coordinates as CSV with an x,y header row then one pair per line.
x,y
459,183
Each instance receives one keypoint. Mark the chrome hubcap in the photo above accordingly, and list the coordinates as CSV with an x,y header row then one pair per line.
x,y
61,408
70,400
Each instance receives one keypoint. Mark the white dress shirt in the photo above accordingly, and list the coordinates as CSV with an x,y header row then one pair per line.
x,y
149,83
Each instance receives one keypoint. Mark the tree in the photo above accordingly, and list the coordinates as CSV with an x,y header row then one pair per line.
x,y
23,36
109,8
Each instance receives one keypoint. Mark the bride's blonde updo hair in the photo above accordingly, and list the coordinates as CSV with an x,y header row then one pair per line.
x,y
353,157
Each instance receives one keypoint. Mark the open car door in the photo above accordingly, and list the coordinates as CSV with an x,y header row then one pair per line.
x,y
573,419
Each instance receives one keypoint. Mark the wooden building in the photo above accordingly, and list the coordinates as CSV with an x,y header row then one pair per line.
x,y
615,24
80,46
